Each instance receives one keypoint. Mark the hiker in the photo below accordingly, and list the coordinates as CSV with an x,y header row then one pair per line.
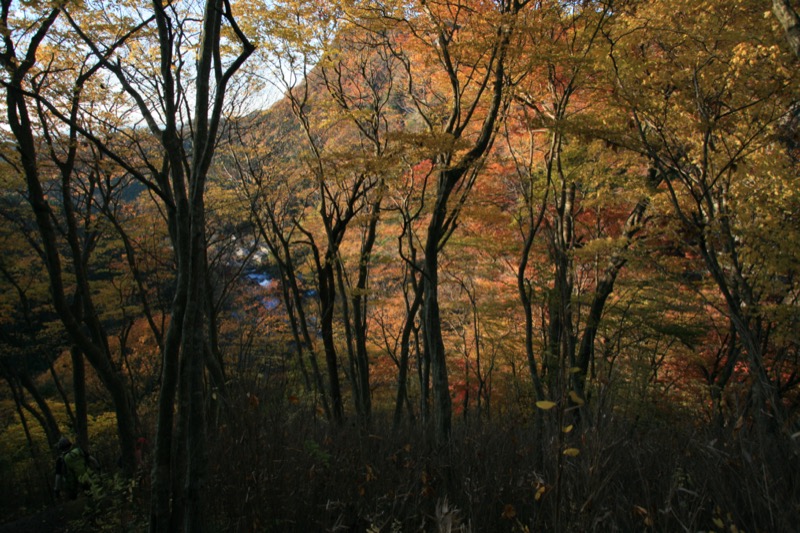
x,y
74,469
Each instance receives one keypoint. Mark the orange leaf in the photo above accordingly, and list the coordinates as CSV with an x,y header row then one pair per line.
x,y
509,512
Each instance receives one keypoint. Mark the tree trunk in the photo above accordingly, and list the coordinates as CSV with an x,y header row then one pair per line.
x,y
327,295
18,383
524,290
405,350
605,287
93,345
360,299
787,16
431,319
79,397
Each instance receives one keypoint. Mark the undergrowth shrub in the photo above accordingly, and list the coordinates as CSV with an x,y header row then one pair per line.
x,y
278,466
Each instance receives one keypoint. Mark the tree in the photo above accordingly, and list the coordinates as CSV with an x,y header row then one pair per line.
x,y
187,135
26,317
342,88
459,112
706,91
277,205
26,85
570,191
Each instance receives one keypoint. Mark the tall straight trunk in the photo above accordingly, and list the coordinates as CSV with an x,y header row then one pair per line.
x,y
162,499
177,494
405,350
362,358
524,291
423,372
327,295
561,235
194,347
302,323
79,397
289,302
533,221
212,352
349,332
359,306
431,318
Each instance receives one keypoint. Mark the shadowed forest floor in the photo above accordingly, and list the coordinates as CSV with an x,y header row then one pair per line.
x,y
289,476
53,519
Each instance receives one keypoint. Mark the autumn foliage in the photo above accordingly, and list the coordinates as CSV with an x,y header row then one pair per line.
x,y
450,265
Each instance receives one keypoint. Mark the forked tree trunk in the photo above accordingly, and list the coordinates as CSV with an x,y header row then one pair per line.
x,y
605,286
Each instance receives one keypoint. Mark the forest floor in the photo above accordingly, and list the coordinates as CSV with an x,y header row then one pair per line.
x,y
54,519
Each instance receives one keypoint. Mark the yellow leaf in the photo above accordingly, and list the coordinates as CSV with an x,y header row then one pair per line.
x,y
577,400
572,452
574,370
718,522
568,428
545,404
647,519
540,492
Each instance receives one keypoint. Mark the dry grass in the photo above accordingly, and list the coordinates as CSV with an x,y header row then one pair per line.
x,y
276,469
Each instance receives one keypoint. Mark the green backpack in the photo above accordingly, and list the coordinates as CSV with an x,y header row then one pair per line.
x,y
77,472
